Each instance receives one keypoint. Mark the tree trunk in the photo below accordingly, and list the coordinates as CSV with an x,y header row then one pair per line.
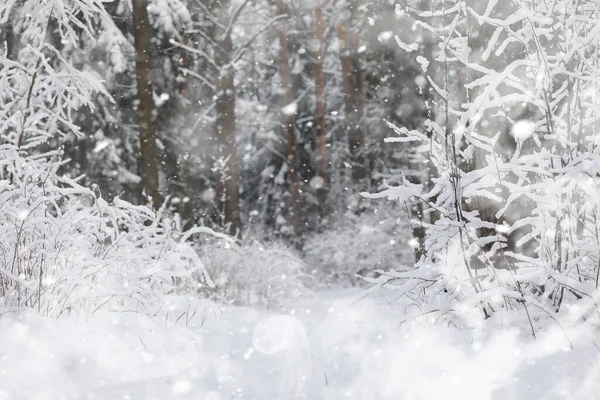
x,y
227,184
7,36
184,62
289,112
352,78
147,130
322,165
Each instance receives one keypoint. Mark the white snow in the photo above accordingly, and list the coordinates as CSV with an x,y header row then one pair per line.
x,y
420,81
162,99
424,63
316,182
290,109
385,36
208,195
404,46
101,145
328,347
522,130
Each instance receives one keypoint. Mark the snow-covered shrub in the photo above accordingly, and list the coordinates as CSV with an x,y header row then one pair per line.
x,y
354,245
253,273
62,247
513,150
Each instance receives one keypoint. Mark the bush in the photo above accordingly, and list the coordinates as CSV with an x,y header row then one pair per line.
x,y
253,273
355,245
63,248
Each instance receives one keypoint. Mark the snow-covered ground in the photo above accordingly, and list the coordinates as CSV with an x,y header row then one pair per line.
x,y
327,347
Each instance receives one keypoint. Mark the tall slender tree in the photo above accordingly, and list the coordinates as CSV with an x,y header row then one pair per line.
x,y
289,113
227,185
352,77
147,129
322,165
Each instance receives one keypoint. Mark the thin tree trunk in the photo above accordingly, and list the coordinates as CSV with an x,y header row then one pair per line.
x,y
8,37
184,62
322,165
147,129
289,117
227,185
352,77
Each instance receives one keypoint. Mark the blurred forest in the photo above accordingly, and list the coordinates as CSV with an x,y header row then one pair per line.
x,y
285,121
263,118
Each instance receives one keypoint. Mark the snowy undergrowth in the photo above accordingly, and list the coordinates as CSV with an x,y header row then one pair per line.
x,y
355,245
509,204
253,273
64,249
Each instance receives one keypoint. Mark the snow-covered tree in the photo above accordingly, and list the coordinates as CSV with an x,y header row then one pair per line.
x,y
64,248
513,144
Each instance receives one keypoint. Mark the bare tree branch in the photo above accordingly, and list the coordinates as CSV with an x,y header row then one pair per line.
x,y
235,16
196,51
199,77
242,49
209,14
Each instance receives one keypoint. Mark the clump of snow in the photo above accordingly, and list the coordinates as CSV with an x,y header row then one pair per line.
x,y
208,195
101,145
406,47
162,99
424,63
399,193
316,182
522,130
290,109
414,243
385,36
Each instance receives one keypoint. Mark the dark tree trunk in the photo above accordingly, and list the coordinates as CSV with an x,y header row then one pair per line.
x,y
322,165
7,36
227,185
147,129
352,77
184,62
289,118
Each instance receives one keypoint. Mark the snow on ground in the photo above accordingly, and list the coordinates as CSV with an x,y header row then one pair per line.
x,y
327,347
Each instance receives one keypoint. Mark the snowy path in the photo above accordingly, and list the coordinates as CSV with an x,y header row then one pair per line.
x,y
313,350
327,347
